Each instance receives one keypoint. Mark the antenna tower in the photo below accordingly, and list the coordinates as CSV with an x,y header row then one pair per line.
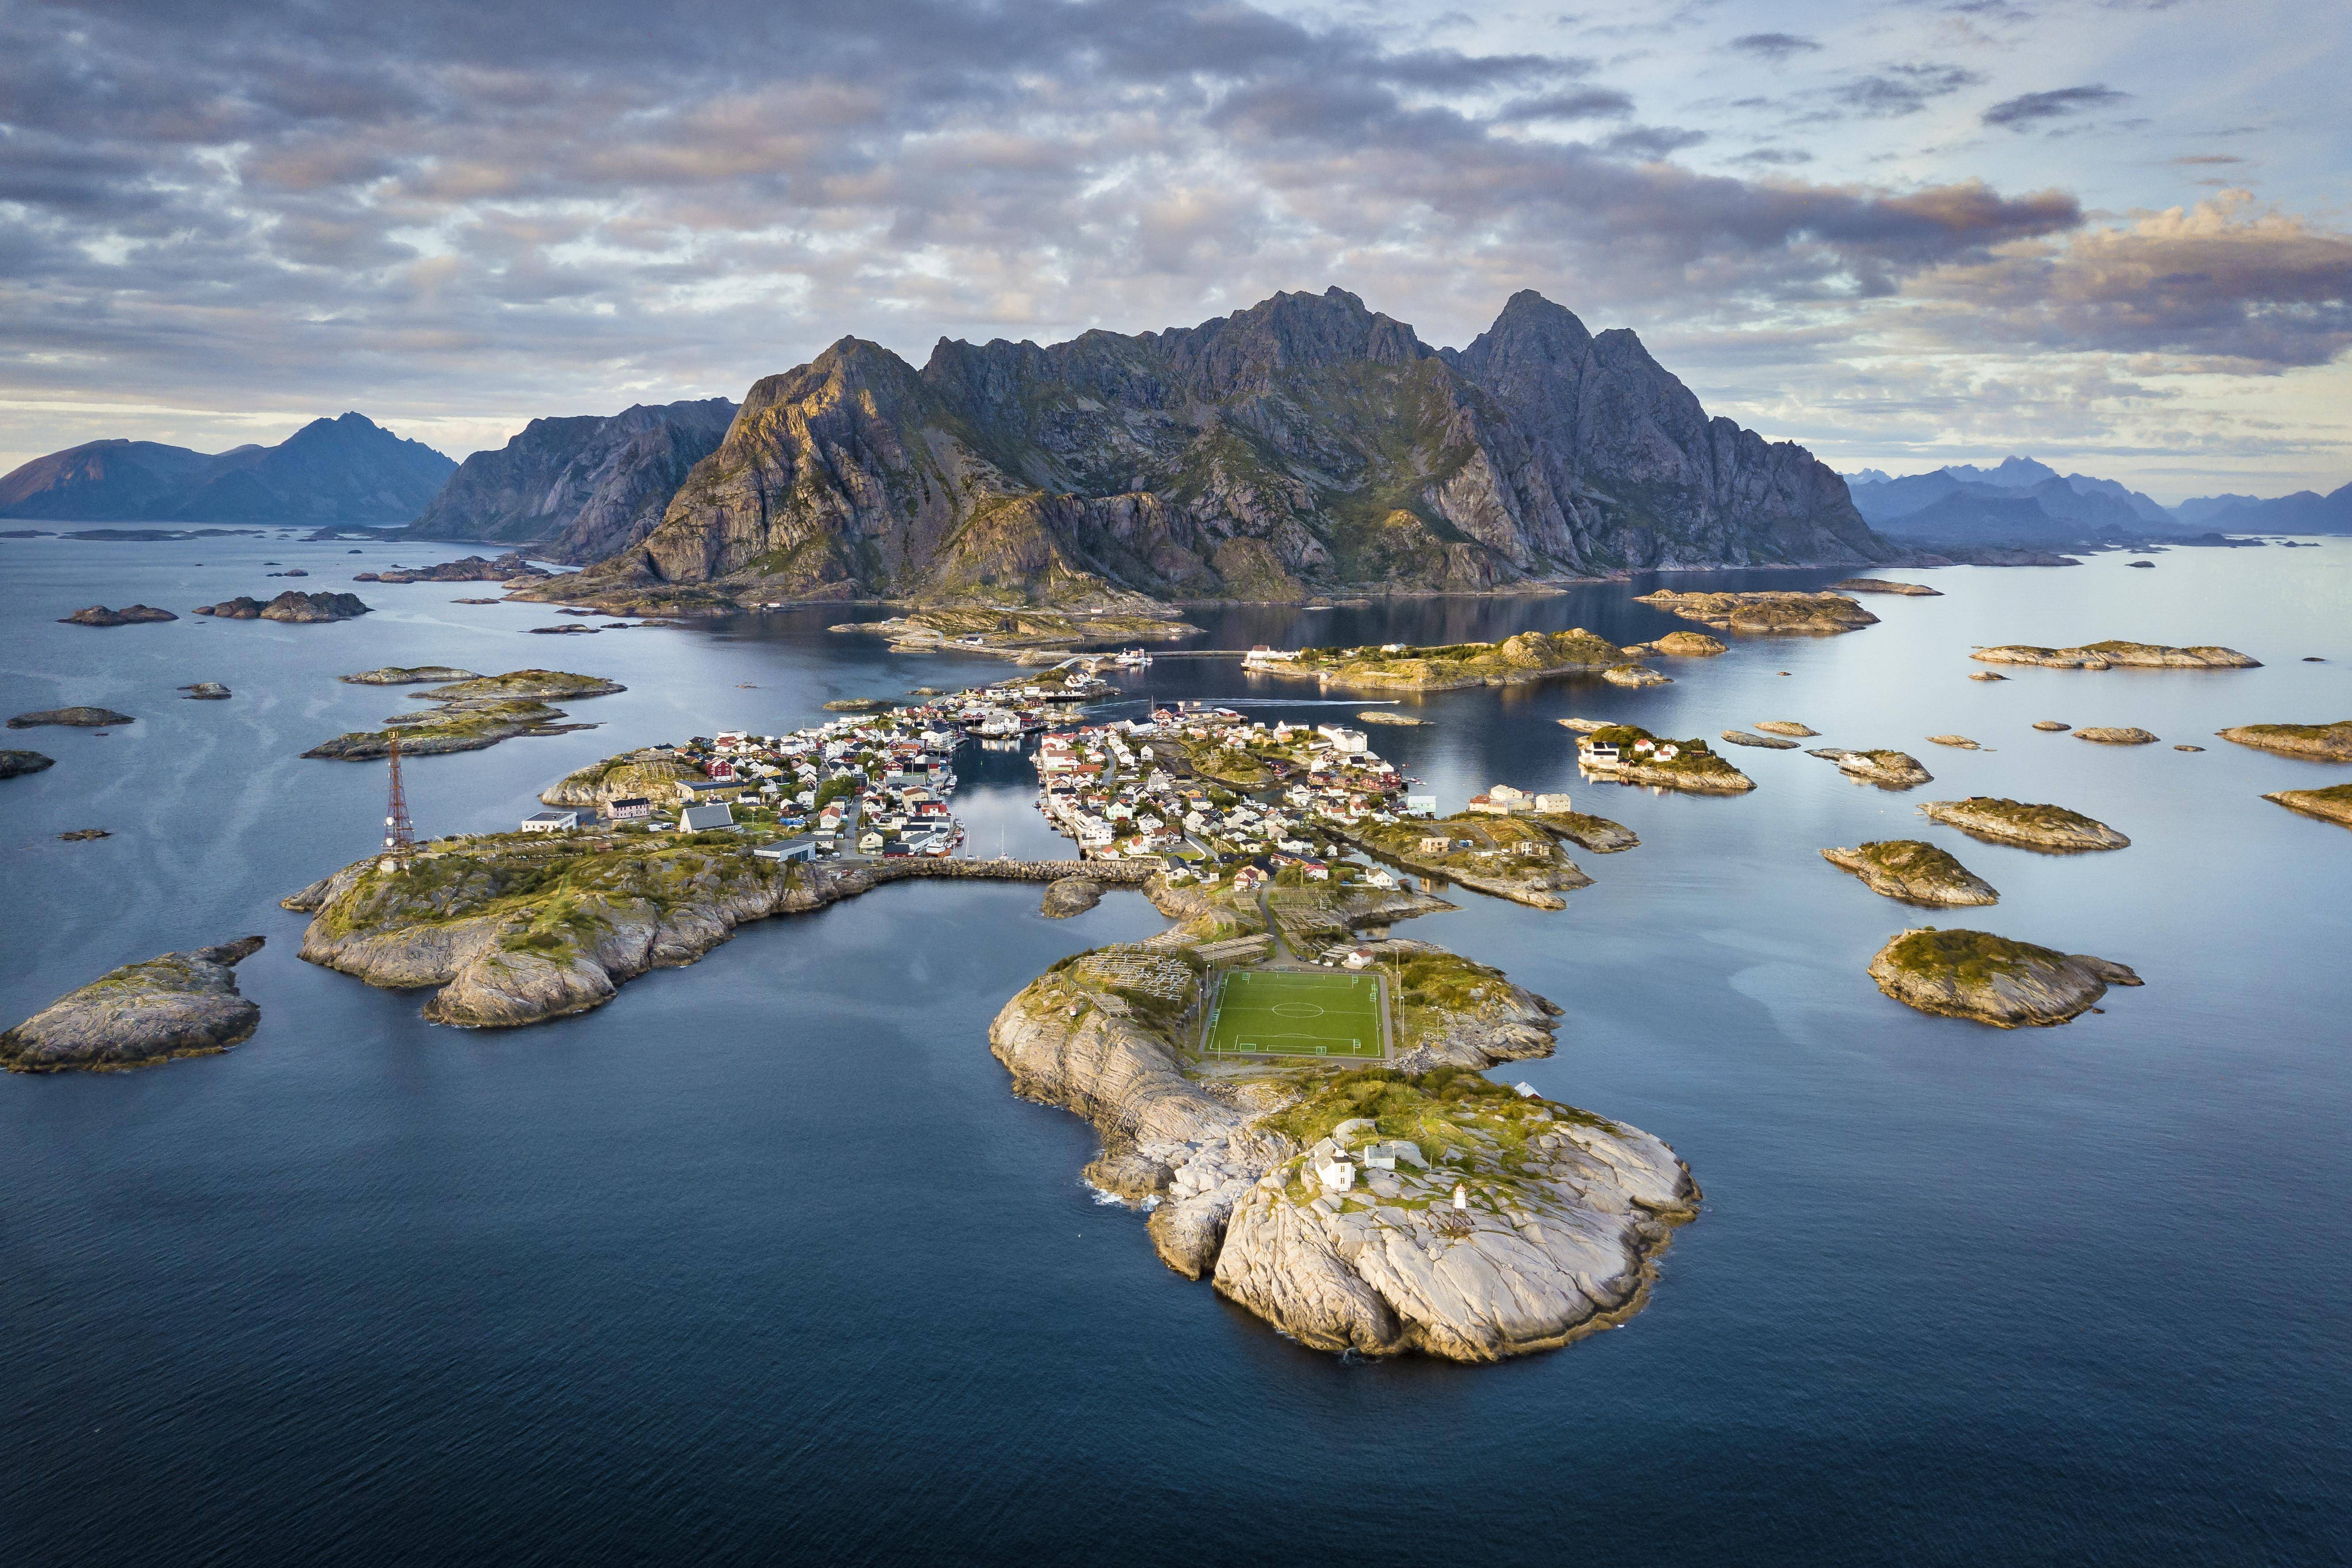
x,y
399,833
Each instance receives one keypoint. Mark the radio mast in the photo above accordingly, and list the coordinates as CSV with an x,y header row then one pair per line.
x,y
399,833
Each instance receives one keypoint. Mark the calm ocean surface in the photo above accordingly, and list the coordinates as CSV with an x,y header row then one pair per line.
x,y
764,1261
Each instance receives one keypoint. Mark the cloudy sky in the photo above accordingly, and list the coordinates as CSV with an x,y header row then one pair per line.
x,y
2116,233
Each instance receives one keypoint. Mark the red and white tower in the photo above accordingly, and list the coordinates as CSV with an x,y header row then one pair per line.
x,y
399,833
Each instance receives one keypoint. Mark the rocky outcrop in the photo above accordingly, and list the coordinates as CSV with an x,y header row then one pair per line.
x,y
1634,675
1957,743
1070,896
1881,585
128,615
1304,446
1773,743
1998,821
1783,614
1991,979
399,674
1687,645
2331,804
1785,727
2052,726
1914,871
466,569
293,605
2106,736
75,718
331,470
2119,656
578,489
1597,834
2319,742
1390,716
181,1005
1514,661
206,691
473,714
650,775
1888,770
15,764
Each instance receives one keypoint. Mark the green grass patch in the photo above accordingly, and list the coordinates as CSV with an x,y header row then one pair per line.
x,y
1296,1013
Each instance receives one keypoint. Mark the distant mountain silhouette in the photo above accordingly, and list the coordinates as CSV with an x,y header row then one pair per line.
x,y
343,470
2018,501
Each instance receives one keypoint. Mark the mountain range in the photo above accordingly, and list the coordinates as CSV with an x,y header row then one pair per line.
x,y
2020,501
343,470
1304,445
577,488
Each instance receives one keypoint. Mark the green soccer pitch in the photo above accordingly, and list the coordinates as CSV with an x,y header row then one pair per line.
x,y
1296,1013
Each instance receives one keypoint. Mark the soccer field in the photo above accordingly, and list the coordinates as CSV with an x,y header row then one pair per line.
x,y
1296,1013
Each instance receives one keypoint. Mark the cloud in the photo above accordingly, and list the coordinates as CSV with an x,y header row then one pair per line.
x,y
2029,110
1774,46
2200,158
1577,103
2219,286
1900,89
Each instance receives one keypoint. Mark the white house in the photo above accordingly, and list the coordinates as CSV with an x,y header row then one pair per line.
x,y
703,818
550,822
1550,805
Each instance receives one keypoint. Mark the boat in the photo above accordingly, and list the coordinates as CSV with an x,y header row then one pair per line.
x,y
1132,658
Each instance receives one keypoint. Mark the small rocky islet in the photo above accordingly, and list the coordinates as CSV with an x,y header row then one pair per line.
x,y
2333,804
292,606
16,765
2105,735
1914,871
78,718
1507,856
471,714
2118,654
1515,660
1883,585
180,1005
1887,769
1768,614
1770,743
1631,754
2317,743
1992,979
128,615
2025,825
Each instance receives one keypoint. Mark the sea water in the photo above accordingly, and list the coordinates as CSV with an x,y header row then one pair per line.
x,y
764,1261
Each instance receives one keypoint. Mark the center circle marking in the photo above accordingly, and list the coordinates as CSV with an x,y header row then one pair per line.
x,y
1297,1010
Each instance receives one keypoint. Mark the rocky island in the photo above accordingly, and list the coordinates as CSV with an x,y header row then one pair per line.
x,y
1500,856
1766,614
1770,742
1991,979
2106,736
1407,1205
15,764
1914,871
1016,632
408,675
2331,804
1881,585
507,568
2051,827
1390,716
1515,660
2119,656
73,718
181,1005
473,714
128,615
2319,742
1632,756
1682,645
292,605
1888,770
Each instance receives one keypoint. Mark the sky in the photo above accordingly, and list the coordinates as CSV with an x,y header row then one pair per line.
x,y
2115,235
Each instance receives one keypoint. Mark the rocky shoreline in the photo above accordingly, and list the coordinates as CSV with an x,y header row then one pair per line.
x,y
2330,805
181,1005
469,715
